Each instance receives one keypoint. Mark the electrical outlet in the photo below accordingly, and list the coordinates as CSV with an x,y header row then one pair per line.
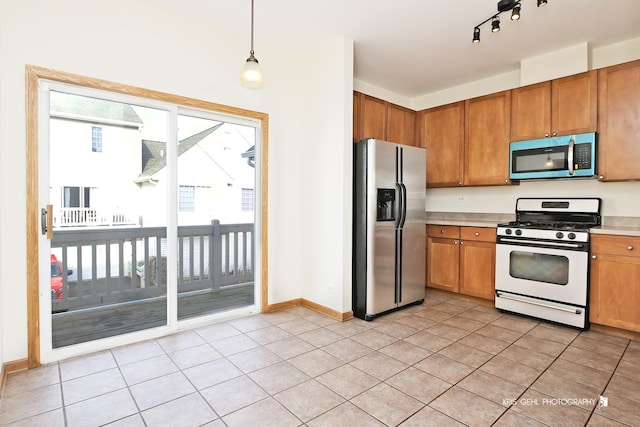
x,y
460,198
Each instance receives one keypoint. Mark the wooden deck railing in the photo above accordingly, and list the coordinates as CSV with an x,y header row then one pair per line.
x,y
117,265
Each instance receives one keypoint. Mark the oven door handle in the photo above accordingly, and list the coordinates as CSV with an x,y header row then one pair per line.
x,y
534,242
574,311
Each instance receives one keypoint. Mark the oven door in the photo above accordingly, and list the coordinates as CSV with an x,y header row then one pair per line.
x,y
552,274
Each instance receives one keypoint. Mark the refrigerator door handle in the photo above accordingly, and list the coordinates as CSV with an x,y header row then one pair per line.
x,y
403,204
399,205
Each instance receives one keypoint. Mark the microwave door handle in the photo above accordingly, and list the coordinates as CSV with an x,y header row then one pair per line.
x,y
570,153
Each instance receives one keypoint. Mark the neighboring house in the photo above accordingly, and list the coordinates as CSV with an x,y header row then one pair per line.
x,y
94,156
104,173
214,179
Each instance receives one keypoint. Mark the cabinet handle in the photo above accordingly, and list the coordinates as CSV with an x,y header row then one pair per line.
x,y
593,257
460,183
601,177
455,242
555,134
461,242
477,234
441,231
630,247
546,135
506,181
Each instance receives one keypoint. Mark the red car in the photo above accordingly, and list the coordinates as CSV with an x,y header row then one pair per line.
x,y
56,278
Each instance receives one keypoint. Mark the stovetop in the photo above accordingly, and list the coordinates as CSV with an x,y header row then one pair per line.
x,y
569,226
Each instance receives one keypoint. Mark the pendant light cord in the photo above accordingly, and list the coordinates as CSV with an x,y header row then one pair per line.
x,y
251,51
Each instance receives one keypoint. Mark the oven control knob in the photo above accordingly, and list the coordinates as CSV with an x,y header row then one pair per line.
x,y
508,231
571,236
559,235
518,232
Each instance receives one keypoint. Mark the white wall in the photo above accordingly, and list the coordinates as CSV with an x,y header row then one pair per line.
x,y
138,44
329,167
560,63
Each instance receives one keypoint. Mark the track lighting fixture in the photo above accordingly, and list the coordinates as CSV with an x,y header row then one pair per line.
x,y
503,6
251,73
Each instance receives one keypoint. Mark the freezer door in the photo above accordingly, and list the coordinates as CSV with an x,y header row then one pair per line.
x,y
414,230
381,280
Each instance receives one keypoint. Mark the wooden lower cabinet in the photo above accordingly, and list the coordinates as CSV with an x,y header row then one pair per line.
x,y
477,269
443,261
615,281
462,259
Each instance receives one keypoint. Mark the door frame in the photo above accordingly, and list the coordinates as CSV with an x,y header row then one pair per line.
x,y
33,74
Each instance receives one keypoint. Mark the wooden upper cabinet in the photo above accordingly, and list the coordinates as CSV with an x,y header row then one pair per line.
x,y
531,111
401,125
487,137
441,131
558,107
379,119
574,104
619,122
373,116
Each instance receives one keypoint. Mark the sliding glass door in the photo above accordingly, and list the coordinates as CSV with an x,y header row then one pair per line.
x,y
148,214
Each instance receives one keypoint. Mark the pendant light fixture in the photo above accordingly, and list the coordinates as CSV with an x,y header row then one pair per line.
x,y
251,73
503,6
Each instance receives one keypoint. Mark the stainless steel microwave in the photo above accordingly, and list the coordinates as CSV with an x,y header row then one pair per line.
x,y
558,157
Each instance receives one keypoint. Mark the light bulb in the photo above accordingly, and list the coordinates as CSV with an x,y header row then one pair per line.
x,y
251,74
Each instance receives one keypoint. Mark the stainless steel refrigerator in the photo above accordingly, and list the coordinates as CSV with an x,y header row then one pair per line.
x,y
389,233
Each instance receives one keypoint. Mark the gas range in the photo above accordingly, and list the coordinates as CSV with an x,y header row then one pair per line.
x,y
542,259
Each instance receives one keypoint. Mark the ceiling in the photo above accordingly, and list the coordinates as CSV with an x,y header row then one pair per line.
x,y
415,47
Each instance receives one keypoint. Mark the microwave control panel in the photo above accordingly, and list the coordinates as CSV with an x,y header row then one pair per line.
x,y
582,156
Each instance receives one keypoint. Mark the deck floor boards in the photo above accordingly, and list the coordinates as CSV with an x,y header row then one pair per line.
x,y
78,326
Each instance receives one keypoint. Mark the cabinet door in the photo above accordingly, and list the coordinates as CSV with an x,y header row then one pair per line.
x,y
477,268
401,125
357,133
443,263
374,117
442,133
619,122
487,134
574,104
615,291
531,111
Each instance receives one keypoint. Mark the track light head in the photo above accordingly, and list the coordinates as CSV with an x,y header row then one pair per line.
x,y
495,24
476,35
515,14
542,2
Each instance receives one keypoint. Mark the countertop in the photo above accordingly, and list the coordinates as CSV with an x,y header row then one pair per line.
x,y
464,223
618,230
622,226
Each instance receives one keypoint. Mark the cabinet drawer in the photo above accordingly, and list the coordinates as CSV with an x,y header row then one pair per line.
x,y
444,231
615,245
478,234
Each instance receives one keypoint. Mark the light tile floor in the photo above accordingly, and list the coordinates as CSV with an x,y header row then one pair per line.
x,y
446,362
